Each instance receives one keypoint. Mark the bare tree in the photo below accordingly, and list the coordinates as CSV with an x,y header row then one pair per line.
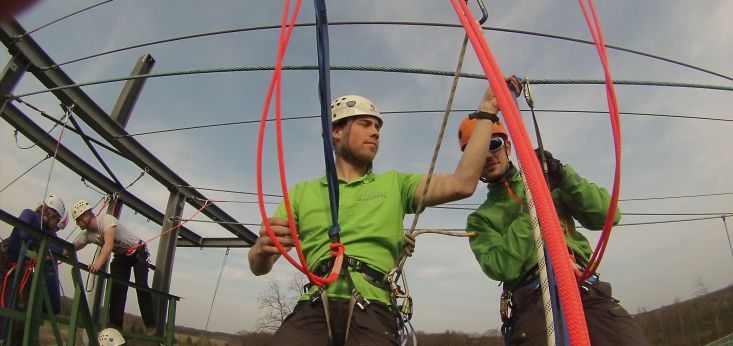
x,y
701,288
276,302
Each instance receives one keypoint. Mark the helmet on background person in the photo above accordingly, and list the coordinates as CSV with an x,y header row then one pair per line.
x,y
80,208
56,204
466,129
352,105
110,337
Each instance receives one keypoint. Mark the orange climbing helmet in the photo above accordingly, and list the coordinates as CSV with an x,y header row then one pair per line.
x,y
466,128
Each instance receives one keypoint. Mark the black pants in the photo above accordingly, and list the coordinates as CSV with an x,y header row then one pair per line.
x,y
608,322
121,266
306,326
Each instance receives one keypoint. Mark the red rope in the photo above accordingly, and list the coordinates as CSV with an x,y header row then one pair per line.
x,y
131,249
30,267
275,84
596,32
567,285
5,283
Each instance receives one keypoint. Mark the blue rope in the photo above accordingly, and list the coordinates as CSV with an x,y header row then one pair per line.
x,y
558,315
324,94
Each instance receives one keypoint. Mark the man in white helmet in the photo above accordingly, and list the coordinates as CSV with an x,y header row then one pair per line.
x,y
371,213
48,216
130,255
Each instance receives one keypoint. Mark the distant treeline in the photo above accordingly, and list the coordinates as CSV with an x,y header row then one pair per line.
x,y
696,321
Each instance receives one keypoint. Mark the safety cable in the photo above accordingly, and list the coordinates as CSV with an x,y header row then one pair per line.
x,y
227,191
548,217
725,224
24,173
18,37
84,181
232,201
53,159
672,221
436,150
94,152
216,289
58,122
382,23
216,222
367,69
461,233
453,204
678,196
232,123
132,249
405,305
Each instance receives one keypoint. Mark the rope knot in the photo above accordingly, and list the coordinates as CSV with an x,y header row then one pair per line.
x,y
337,249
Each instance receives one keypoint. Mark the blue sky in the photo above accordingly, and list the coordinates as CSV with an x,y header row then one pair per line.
x,y
649,265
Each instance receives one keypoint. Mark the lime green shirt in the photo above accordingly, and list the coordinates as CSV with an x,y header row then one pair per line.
x,y
371,214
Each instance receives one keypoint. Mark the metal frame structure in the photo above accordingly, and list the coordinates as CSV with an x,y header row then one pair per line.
x,y
28,56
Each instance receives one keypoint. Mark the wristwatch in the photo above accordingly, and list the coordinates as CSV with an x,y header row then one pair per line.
x,y
484,115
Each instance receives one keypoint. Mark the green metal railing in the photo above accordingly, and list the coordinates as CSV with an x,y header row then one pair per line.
x,y
32,316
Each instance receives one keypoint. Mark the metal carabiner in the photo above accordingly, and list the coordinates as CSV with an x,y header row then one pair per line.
x,y
485,14
528,93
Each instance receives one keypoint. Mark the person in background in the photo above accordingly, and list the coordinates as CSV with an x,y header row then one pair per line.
x,y
130,254
50,217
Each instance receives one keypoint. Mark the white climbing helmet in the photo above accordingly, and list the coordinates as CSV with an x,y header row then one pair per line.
x,y
56,204
110,337
352,105
79,208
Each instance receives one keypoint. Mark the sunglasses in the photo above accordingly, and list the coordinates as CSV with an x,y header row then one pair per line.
x,y
496,143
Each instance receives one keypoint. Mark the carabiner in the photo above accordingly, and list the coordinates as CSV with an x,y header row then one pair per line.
x,y
528,93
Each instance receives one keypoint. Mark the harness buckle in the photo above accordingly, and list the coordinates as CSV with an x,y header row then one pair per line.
x,y
316,295
362,302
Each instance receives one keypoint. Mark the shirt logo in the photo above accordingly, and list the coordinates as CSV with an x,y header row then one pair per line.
x,y
371,196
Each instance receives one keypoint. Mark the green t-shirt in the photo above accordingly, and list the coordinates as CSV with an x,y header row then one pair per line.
x,y
371,213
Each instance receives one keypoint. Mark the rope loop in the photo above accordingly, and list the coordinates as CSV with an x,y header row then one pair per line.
x,y
337,249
